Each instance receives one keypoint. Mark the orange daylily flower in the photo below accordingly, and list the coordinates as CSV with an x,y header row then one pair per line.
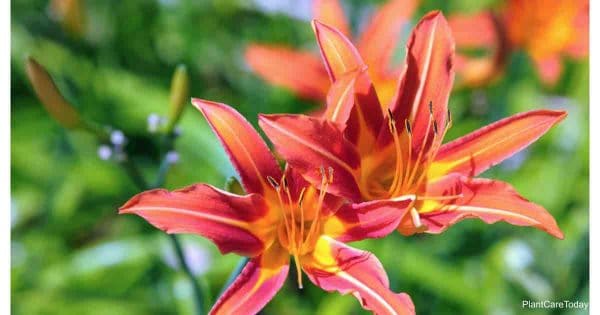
x,y
303,72
385,154
546,30
479,32
281,216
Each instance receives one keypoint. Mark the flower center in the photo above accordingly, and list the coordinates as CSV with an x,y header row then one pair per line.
x,y
401,170
302,217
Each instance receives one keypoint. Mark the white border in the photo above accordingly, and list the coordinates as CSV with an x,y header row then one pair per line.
x,y
594,148
5,144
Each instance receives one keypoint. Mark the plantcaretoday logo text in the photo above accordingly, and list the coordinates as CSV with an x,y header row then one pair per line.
x,y
547,304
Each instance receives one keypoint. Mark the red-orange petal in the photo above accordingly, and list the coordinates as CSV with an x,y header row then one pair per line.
x,y
371,219
309,144
335,266
331,13
340,100
232,222
259,281
378,41
476,152
247,150
490,201
301,72
427,78
341,57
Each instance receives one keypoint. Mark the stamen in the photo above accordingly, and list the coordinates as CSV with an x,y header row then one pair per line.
x,y
322,192
414,168
408,127
283,212
301,206
391,126
273,183
301,198
292,215
409,160
399,158
284,183
436,145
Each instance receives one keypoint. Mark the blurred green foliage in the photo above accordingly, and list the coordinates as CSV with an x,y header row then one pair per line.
x,y
72,254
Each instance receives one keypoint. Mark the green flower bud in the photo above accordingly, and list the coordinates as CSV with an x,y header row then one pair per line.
x,y
51,99
180,89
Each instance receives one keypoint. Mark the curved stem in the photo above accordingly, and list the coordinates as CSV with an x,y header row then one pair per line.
x,y
188,272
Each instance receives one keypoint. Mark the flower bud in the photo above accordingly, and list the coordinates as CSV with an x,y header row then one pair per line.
x,y
48,93
180,86
70,13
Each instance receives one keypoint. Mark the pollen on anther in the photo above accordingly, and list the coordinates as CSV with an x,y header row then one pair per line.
x,y
273,182
301,198
284,183
408,127
390,115
435,127
431,107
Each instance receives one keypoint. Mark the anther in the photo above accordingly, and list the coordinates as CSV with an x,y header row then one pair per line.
x,y
330,170
392,126
430,108
435,127
390,116
301,198
284,183
322,172
408,127
273,183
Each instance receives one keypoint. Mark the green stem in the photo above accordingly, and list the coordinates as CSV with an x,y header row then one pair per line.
x,y
188,272
134,173
234,274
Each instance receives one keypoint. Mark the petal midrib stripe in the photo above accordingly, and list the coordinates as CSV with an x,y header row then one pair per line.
x,y
425,72
493,211
243,148
485,149
200,215
311,145
367,290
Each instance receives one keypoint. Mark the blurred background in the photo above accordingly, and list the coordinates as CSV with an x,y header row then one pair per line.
x,y
113,60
